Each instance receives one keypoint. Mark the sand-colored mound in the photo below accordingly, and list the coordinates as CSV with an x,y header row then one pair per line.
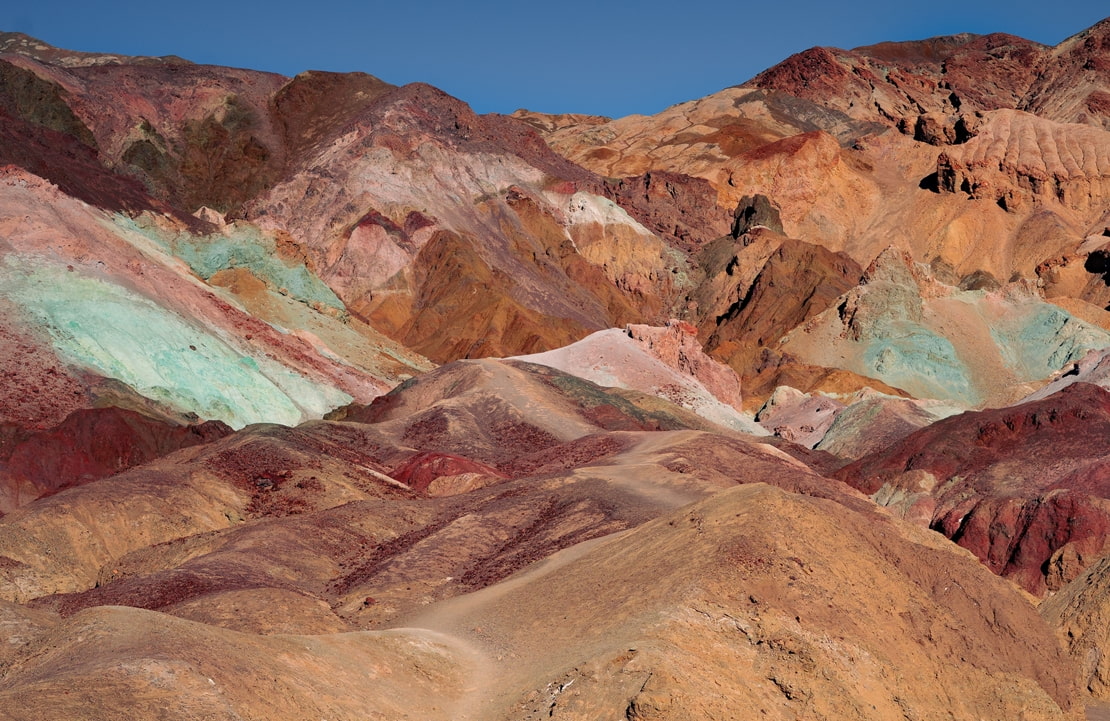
x,y
125,663
756,623
1080,614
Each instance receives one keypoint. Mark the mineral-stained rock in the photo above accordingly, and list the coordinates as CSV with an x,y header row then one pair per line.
x,y
890,82
88,445
681,209
424,471
1013,485
977,346
86,295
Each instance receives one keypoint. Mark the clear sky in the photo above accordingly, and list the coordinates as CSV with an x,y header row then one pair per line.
x,y
606,57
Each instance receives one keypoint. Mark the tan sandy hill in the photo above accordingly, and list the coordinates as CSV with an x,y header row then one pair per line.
x,y
654,641
224,553
1078,612
501,539
741,630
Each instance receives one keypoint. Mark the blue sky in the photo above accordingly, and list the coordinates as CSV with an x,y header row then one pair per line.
x,y
604,57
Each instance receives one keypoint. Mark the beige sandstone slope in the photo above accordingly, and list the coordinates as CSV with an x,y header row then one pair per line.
x,y
807,135
1080,613
113,663
800,598
709,611
877,191
757,624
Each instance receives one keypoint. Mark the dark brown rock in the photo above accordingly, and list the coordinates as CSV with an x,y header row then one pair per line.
x,y
798,281
681,209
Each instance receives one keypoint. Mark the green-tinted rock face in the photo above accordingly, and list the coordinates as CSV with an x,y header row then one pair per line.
x,y
112,331
908,355
242,247
1043,340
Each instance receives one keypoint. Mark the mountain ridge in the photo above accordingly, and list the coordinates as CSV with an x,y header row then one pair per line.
x,y
328,398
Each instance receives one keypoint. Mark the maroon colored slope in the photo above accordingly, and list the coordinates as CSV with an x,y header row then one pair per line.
x,y
88,445
1025,488
892,82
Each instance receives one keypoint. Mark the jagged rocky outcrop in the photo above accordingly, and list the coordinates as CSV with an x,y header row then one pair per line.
x,y
902,134
892,82
1018,160
985,480
796,282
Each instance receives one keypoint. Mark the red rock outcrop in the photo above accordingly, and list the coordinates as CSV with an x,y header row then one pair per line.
x,y
895,82
425,473
40,133
1025,488
680,208
88,445
1073,86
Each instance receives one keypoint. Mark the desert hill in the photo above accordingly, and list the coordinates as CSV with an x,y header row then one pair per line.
x,y
328,398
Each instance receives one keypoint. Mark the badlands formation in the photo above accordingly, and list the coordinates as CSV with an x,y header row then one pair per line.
x,y
327,398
